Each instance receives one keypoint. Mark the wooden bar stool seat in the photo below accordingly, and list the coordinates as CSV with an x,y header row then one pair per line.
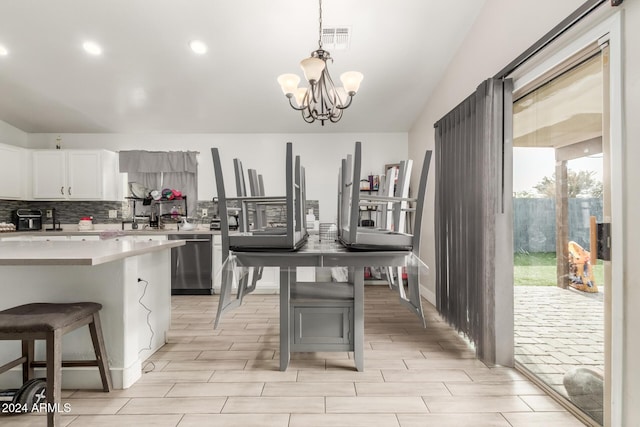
x,y
49,322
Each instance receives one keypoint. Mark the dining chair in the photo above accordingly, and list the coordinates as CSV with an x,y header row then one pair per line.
x,y
249,238
394,238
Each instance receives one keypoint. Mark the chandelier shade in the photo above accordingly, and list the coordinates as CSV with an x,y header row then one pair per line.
x,y
321,99
288,83
351,81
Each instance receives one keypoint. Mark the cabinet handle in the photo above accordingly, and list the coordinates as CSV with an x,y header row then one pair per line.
x,y
69,190
62,190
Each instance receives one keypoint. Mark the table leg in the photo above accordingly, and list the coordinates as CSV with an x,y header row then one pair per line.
x,y
358,317
285,288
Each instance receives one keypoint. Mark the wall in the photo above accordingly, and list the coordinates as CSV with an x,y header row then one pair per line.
x,y
320,153
502,31
12,135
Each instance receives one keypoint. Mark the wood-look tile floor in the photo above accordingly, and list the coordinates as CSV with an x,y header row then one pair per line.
x,y
230,377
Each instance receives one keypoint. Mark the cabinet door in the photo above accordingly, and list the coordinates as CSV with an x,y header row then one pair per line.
x,y
84,175
49,175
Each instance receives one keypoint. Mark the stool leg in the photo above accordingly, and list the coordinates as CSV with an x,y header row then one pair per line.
x,y
54,377
95,327
27,352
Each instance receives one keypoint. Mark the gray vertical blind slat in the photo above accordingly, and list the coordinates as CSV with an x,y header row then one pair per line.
x,y
469,185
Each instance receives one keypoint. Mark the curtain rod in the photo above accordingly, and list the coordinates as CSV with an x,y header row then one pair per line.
x,y
575,17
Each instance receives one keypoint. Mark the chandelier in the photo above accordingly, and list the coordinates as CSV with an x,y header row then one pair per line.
x,y
321,100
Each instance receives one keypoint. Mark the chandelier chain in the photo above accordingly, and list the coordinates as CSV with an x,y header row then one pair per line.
x,y
320,26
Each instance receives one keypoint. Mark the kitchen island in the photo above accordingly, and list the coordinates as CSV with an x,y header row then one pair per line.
x,y
131,279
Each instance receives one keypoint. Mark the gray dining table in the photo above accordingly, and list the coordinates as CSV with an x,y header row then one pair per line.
x,y
317,253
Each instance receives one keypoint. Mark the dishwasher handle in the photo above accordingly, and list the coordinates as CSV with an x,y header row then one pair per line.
x,y
196,240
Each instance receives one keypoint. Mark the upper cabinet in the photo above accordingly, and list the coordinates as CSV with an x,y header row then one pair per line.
x,y
14,167
75,175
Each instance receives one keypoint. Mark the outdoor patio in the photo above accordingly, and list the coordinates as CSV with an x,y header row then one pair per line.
x,y
557,330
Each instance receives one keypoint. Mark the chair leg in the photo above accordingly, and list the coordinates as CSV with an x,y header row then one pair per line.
x,y
225,294
95,328
54,377
28,353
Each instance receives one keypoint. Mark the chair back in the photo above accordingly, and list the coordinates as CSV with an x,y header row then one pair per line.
x,y
222,203
395,232
293,236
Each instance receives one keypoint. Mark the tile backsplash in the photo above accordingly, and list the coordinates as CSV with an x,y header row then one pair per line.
x,y
70,212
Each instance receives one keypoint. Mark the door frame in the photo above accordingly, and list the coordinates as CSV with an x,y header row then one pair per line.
x,y
608,30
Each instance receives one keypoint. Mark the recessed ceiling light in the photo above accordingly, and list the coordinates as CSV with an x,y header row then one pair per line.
x,y
3,51
92,48
198,47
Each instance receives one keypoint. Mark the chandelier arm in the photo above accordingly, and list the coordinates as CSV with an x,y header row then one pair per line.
x,y
348,103
293,105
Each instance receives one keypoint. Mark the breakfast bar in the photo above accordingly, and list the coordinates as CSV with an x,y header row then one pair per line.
x,y
131,279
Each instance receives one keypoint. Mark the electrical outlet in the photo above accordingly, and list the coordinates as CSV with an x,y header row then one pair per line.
x,y
113,213
49,213
205,213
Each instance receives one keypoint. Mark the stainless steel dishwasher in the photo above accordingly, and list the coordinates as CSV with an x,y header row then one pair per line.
x,y
191,265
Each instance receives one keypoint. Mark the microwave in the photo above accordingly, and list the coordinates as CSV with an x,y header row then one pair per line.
x,y
27,219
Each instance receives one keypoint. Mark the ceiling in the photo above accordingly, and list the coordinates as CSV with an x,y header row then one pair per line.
x,y
148,80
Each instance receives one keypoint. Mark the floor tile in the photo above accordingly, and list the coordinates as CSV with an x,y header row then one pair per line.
x,y
453,420
343,420
235,420
465,404
546,419
174,405
425,375
274,405
402,389
375,404
101,406
216,389
309,389
146,420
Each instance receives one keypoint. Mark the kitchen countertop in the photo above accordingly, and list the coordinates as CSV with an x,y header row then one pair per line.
x,y
108,231
77,252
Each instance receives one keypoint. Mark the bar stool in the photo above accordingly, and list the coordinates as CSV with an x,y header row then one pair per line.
x,y
49,322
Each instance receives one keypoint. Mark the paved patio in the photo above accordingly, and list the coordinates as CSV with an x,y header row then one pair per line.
x,y
557,330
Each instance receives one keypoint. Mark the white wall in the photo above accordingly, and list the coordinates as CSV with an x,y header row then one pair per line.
x,y
320,154
12,135
504,29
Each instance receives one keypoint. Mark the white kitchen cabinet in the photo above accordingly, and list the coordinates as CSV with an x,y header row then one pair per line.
x,y
87,238
49,238
15,238
150,237
75,175
13,172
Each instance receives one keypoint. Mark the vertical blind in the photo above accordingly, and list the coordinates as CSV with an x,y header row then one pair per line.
x,y
473,225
